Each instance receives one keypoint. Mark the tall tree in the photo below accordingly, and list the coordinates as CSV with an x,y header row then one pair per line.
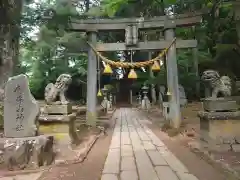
x,y
9,38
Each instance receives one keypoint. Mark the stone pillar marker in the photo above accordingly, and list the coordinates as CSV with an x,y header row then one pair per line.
x,y
92,82
22,147
172,75
20,109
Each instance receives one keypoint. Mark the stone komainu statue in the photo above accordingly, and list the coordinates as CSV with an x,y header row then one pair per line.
x,y
53,91
218,85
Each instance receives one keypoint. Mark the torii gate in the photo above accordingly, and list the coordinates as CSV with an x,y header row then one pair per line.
x,y
131,27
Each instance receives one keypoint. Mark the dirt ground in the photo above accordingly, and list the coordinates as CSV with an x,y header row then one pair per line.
x,y
188,138
195,164
192,129
90,169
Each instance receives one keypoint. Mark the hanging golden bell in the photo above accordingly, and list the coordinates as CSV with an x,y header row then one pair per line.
x,y
132,74
155,66
107,69
99,94
168,93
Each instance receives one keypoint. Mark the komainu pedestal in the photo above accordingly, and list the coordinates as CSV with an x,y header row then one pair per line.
x,y
55,109
220,105
220,131
220,118
57,117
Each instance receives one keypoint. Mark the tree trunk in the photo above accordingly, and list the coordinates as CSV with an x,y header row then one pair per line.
x,y
15,35
9,39
87,5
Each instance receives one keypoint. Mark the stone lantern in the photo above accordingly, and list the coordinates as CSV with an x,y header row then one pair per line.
x,y
104,103
104,91
145,90
139,98
145,101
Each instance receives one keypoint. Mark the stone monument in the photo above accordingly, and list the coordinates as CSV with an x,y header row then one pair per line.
x,y
220,118
55,91
183,98
21,146
20,109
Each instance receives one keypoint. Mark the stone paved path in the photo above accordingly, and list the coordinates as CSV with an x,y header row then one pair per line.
x,y
33,176
136,153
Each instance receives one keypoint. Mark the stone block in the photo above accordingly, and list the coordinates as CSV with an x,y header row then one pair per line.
x,y
144,166
61,124
125,139
143,136
115,142
112,164
156,141
126,151
165,172
148,145
27,153
44,118
53,128
174,162
127,175
109,177
220,129
156,158
58,109
204,115
20,109
128,163
219,104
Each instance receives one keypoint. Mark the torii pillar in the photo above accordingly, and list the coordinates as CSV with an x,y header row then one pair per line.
x,y
92,82
172,75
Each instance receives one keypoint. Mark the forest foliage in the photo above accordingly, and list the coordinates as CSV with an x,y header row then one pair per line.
x,y
43,53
